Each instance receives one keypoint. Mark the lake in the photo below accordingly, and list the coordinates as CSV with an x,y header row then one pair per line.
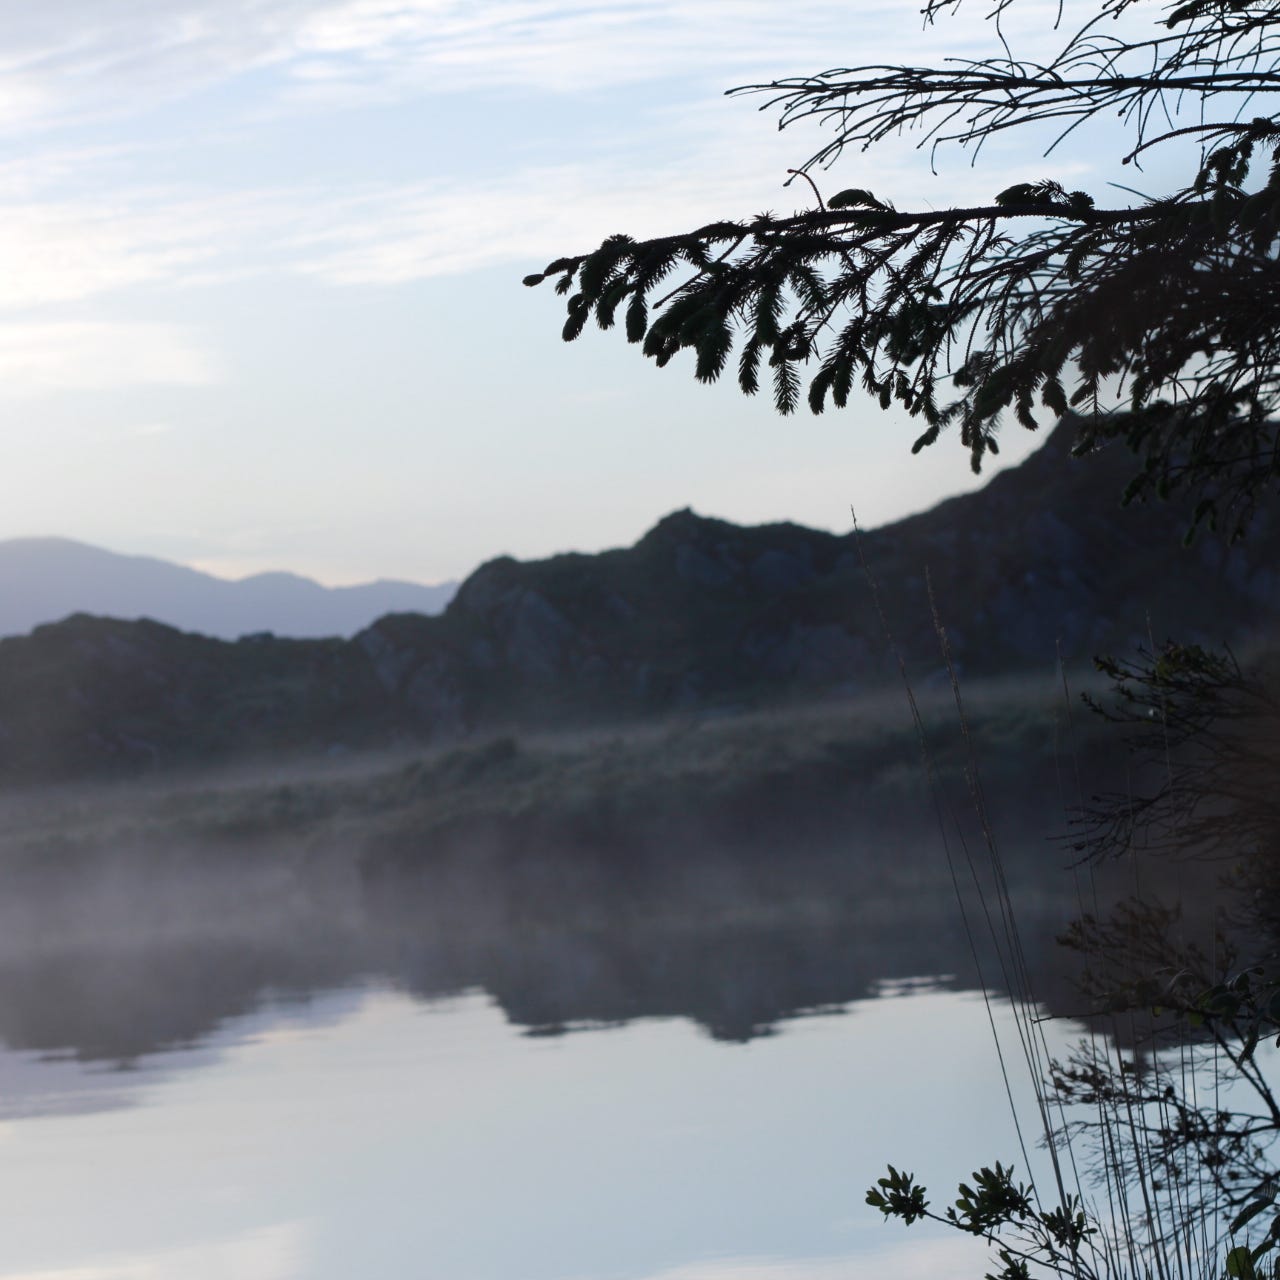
x,y
242,1079
362,1131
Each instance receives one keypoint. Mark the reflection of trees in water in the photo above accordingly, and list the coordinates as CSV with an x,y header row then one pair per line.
x,y
735,940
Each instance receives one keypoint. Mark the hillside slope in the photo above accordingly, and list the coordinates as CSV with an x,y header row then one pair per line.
x,y
700,612
700,615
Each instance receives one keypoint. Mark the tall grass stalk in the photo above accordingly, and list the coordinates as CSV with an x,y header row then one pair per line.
x,y
1119,1210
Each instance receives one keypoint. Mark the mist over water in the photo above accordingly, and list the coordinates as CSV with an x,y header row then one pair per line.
x,y
605,1044
718,877
112,954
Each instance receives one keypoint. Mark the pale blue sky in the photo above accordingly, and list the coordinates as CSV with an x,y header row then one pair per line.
x,y
261,262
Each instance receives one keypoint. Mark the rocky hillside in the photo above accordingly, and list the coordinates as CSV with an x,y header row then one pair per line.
x,y
701,612
699,615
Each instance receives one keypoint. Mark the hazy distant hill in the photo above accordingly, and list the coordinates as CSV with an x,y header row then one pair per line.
x,y
47,579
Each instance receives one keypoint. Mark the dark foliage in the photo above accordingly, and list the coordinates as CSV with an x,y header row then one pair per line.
x,y
1206,735
1038,298
1169,1119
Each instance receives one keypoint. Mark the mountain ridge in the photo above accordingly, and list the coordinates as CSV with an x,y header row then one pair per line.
x,y
699,617
1043,562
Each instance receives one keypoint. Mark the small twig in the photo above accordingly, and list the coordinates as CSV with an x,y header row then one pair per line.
x,y
680,288
800,173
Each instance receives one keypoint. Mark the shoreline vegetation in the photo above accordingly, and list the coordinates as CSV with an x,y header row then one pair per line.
x,y
825,764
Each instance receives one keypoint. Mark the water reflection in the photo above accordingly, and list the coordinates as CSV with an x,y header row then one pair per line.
x,y
408,1139
558,1051
320,1067
114,970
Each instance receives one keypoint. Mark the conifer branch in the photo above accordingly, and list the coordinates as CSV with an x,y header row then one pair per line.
x,y
1038,300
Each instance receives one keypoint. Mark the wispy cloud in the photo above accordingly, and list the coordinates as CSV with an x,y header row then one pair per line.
x,y
400,234
561,47
86,219
131,55
396,233
272,1253
76,222
55,356
575,45
70,249
61,252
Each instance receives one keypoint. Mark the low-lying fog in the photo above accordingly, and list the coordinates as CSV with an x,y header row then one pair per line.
x,y
735,873
313,1022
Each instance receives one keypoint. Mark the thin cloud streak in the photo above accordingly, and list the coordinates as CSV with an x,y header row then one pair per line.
x,y
394,234
132,56
399,235
60,356
278,1252
68,251
75,222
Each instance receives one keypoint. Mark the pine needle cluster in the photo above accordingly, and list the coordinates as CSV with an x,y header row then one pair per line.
x,y
1167,308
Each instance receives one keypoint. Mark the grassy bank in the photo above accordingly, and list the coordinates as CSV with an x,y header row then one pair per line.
x,y
803,772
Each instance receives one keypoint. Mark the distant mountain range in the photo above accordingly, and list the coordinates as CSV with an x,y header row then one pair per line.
x,y
700,616
47,579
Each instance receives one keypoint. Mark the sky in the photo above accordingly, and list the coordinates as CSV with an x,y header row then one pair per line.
x,y
261,260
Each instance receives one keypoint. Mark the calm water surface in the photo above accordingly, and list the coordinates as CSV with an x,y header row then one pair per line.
x,y
685,1069
365,1132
